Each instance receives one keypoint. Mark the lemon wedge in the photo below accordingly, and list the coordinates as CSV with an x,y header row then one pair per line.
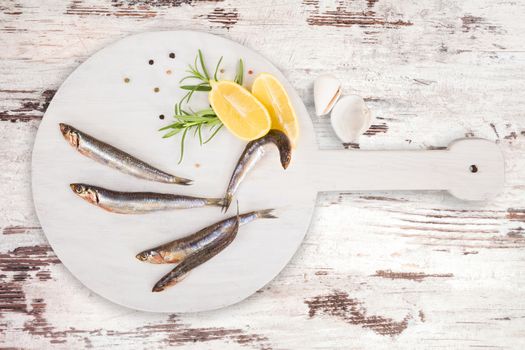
x,y
267,89
241,113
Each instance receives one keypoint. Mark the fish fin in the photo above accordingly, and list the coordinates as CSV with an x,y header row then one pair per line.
x,y
219,202
227,200
266,214
183,181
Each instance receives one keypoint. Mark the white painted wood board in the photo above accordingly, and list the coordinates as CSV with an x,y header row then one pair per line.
x,y
452,266
99,247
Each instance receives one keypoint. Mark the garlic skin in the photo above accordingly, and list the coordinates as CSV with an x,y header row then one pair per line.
x,y
327,90
350,118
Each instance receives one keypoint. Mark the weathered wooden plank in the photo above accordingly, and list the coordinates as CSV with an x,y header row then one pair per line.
x,y
377,270
24,106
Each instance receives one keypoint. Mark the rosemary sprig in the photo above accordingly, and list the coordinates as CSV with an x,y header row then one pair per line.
x,y
186,120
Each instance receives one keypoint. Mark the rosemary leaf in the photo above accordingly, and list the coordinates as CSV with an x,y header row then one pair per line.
x,y
200,133
185,97
199,87
213,135
171,133
187,77
189,119
171,126
203,66
239,75
216,69
188,96
182,145
195,63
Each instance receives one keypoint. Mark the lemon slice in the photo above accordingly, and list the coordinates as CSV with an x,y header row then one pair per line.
x,y
239,110
267,89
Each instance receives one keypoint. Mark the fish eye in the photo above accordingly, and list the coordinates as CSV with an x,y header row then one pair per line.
x,y
79,189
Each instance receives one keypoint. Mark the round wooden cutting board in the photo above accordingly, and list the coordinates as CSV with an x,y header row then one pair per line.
x,y
117,96
99,247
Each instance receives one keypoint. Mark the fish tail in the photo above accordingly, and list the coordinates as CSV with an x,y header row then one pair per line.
x,y
218,202
182,181
227,200
266,214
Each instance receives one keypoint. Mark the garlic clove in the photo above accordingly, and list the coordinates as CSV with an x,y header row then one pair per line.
x,y
327,90
350,118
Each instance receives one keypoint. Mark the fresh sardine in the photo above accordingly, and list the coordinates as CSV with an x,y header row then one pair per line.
x,y
178,250
115,158
252,153
138,202
199,257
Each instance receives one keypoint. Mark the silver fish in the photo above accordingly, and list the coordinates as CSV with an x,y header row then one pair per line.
x,y
252,153
115,158
180,249
138,202
199,257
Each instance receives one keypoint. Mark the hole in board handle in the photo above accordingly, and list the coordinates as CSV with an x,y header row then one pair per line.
x,y
473,168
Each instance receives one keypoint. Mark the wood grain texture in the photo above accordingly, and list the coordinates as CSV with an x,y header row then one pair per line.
x,y
377,270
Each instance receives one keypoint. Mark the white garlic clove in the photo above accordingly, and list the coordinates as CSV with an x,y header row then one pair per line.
x,y
327,90
350,118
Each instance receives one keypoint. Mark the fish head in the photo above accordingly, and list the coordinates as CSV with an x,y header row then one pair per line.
x,y
285,149
150,256
283,143
168,282
85,192
70,134
286,156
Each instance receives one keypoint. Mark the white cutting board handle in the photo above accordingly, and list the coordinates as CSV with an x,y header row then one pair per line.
x,y
470,169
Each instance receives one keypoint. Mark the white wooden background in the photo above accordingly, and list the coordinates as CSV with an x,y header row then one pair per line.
x,y
376,270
